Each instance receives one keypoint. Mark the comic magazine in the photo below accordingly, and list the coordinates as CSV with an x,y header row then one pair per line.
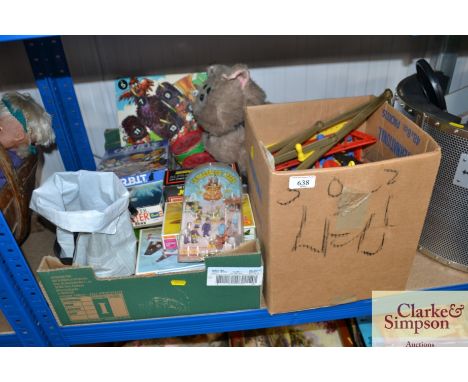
x,y
153,259
211,214
152,108
131,163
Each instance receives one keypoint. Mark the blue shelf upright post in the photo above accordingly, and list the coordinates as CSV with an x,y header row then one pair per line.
x,y
21,299
55,85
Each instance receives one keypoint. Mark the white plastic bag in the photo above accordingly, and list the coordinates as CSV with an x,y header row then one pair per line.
x,y
94,204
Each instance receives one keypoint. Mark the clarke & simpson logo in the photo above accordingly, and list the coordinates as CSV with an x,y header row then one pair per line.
x,y
419,319
409,317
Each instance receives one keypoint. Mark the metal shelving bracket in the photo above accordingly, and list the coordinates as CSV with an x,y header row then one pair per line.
x,y
56,87
21,299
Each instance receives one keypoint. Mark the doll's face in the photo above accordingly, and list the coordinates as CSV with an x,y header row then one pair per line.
x,y
12,133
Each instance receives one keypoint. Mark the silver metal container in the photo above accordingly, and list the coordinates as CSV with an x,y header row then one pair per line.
x,y
445,233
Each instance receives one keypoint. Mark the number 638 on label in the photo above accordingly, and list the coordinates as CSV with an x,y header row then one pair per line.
x,y
296,182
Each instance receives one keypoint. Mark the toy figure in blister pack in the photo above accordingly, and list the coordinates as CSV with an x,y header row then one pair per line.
x,y
212,204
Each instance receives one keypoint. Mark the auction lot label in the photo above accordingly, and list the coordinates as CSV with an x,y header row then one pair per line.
x,y
420,319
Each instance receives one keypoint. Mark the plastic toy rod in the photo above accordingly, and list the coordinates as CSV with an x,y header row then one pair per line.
x,y
306,148
353,124
289,143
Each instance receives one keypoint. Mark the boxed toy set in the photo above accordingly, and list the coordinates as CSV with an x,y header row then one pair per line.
x,y
141,169
154,259
171,225
160,107
211,213
174,183
173,216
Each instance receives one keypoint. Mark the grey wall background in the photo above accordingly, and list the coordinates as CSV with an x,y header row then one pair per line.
x,y
288,68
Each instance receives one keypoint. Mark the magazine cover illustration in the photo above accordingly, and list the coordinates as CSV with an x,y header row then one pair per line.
x,y
128,163
152,108
153,259
211,215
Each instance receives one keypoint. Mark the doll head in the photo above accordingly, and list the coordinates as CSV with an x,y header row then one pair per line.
x,y
12,133
21,111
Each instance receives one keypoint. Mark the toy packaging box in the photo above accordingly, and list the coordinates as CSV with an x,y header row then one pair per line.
x,y
174,184
211,214
154,259
249,222
333,235
173,216
145,109
141,169
171,225
76,296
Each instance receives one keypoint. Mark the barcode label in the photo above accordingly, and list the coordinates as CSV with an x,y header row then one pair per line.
x,y
217,276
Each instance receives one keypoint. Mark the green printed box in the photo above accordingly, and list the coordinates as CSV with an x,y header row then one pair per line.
x,y
229,282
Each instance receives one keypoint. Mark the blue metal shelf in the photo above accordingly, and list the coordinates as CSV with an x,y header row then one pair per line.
x,y
7,336
21,299
7,38
210,323
9,340
214,323
53,79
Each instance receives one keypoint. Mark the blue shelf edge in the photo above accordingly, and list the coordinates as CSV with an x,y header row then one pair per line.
x,y
214,323
9,340
7,38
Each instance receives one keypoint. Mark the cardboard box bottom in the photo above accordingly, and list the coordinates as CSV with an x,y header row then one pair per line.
x,y
78,297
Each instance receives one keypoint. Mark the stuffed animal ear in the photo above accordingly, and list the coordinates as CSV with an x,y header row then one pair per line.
x,y
211,70
242,75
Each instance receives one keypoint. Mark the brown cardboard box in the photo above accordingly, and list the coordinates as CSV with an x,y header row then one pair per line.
x,y
356,230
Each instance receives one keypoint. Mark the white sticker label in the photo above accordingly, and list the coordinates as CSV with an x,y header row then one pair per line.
x,y
232,276
461,174
296,182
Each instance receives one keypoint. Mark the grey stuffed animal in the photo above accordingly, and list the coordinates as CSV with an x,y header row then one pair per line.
x,y
219,109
